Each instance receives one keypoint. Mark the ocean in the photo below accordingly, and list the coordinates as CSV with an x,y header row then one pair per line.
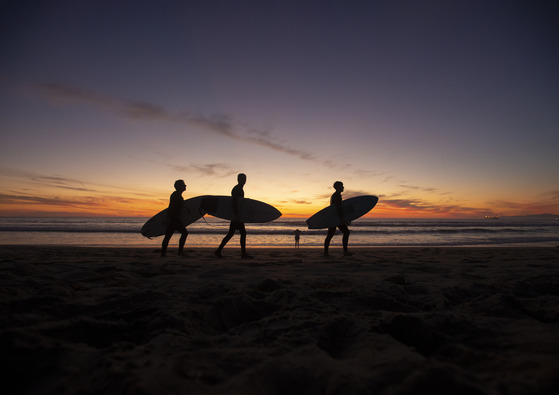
x,y
208,232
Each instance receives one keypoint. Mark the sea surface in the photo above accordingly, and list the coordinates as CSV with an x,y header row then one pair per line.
x,y
209,231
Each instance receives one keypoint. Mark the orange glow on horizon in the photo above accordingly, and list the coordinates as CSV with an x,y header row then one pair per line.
x,y
141,208
109,205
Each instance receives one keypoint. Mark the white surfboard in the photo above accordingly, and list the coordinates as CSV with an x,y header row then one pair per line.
x,y
191,212
249,210
352,209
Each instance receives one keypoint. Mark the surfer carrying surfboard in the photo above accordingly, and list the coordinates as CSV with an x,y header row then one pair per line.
x,y
173,218
236,193
336,202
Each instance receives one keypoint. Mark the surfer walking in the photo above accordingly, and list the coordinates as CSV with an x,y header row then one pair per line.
x,y
336,201
236,193
173,218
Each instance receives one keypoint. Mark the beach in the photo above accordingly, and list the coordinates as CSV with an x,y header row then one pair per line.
x,y
89,320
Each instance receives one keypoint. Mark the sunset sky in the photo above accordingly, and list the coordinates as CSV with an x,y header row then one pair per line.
x,y
441,108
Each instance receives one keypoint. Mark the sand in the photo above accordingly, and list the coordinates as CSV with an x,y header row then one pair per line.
x,y
385,321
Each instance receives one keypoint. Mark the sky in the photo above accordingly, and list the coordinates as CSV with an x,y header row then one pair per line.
x,y
440,108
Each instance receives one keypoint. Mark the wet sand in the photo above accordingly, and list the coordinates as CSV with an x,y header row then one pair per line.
x,y
385,321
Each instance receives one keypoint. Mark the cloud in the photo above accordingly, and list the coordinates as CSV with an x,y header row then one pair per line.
x,y
143,110
222,125
21,204
61,182
554,195
33,200
296,201
523,208
47,195
418,205
417,188
212,169
48,181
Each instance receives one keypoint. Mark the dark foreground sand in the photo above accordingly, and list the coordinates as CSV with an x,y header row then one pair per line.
x,y
386,321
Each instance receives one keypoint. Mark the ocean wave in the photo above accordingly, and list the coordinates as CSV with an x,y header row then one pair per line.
x,y
364,232
272,231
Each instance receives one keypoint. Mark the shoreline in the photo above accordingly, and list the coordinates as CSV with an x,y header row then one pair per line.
x,y
387,320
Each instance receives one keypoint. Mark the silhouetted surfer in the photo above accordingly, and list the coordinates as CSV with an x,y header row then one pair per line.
x,y
173,218
336,201
237,193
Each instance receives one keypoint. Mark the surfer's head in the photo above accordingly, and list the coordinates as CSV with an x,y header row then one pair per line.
x,y
242,178
339,186
180,185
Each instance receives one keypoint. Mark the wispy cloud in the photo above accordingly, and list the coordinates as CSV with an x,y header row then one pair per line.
x,y
34,200
44,180
220,170
21,204
56,182
220,124
417,188
296,201
429,208
553,195
223,125
522,208
55,195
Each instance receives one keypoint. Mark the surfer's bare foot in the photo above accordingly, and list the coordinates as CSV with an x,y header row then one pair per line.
x,y
218,254
347,253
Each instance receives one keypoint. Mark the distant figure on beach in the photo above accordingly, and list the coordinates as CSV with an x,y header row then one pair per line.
x,y
297,237
236,193
336,201
173,218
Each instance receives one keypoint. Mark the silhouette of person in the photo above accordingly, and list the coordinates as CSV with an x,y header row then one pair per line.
x,y
173,218
237,193
336,201
297,237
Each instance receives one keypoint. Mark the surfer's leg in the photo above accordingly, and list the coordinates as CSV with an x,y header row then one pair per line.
x,y
226,239
243,232
331,232
166,239
345,240
184,235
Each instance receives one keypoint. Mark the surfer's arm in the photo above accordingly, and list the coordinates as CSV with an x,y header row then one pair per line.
x,y
337,200
235,202
340,212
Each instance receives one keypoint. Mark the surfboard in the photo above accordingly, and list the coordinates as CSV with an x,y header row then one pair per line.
x,y
191,212
249,210
352,209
